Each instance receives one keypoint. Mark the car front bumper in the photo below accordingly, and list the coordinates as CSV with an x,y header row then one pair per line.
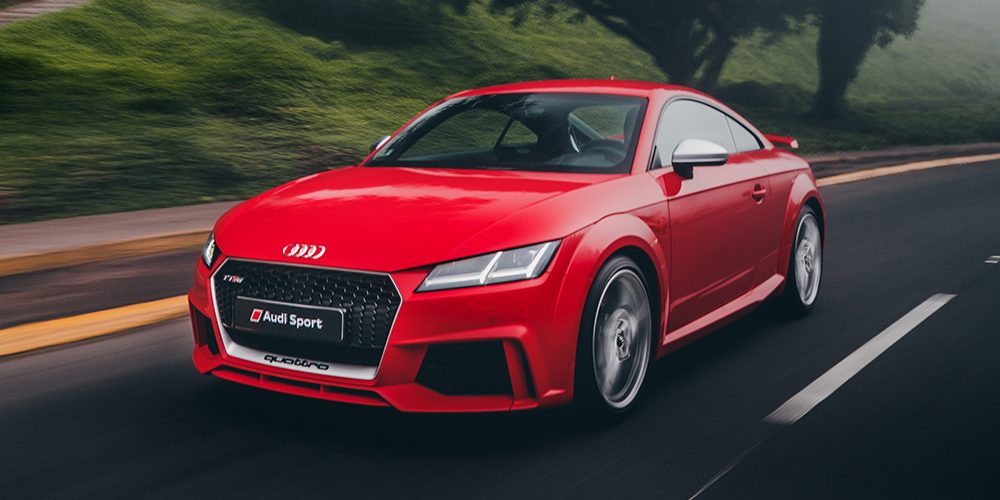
x,y
529,329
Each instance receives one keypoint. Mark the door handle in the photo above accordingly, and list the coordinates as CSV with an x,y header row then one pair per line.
x,y
758,193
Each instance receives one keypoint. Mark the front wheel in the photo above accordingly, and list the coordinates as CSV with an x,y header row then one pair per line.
x,y
615,340
805,267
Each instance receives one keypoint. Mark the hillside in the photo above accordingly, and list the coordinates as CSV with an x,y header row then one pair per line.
x,y
125,104
940,86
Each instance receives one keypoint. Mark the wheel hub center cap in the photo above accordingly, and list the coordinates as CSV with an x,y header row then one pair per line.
x,y
808,256
623,334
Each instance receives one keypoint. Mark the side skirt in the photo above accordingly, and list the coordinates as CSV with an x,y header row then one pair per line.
x,y
720,317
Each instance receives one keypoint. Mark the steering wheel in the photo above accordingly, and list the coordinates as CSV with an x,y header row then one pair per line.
x,y
611,149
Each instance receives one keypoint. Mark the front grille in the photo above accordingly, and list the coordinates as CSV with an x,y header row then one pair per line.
x,y
370,302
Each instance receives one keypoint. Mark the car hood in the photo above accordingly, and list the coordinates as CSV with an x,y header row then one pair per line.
x,y
388,219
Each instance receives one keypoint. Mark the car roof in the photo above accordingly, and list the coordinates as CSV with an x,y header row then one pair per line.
x,y
610,86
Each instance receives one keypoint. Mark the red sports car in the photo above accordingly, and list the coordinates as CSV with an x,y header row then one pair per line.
x,y
512,247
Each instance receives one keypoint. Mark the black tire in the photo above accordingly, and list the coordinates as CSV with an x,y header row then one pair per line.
x,y
797,301
617,276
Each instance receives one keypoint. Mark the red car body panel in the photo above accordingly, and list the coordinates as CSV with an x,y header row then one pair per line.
x,y
476,204
710,248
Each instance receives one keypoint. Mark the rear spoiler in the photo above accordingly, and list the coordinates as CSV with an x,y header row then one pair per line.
x,y
780,140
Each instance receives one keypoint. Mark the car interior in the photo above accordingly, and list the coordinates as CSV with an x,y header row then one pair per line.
x,y
561,132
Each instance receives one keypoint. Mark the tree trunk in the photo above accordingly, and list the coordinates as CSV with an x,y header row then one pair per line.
x,y
677,73
847,33
718,56
676,53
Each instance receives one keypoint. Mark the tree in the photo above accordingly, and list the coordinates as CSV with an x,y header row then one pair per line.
x,y
690,40
848,30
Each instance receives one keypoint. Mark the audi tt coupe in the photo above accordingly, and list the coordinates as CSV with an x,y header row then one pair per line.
x,y
512,247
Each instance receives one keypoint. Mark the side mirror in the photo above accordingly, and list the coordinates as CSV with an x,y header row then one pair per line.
x,y
378,143
692,153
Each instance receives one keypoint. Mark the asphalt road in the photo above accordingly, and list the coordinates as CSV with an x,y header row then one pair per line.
x,y
59,293
127,416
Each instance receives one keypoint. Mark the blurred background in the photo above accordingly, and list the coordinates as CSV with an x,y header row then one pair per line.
x,y
130,104
184,107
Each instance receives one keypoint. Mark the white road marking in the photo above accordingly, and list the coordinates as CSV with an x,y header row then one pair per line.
x,y
725,470
801,403
994,259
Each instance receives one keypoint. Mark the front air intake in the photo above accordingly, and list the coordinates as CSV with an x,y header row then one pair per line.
x,y
477,368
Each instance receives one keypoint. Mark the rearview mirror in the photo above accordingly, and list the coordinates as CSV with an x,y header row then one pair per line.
x,y
692,153
378,143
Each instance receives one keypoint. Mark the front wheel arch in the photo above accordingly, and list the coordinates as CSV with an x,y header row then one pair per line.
x,y
653,285
587,396
584,252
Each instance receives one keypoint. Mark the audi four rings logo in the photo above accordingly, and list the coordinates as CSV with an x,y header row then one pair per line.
x,y
304,251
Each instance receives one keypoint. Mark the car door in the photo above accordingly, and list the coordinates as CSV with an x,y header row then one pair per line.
x,y
718,218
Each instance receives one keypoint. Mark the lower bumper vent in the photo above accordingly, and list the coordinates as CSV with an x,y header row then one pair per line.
x,y
478,368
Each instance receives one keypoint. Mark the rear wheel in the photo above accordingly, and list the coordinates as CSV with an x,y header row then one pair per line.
x,y
615,340
805,267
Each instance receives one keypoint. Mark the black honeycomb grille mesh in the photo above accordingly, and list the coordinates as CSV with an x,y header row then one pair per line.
x,y
370,302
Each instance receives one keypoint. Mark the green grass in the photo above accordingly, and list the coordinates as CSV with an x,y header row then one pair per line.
x,y
127,104
942,86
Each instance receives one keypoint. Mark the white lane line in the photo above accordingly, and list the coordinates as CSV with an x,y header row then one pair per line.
x,y
994,259
826,384
725,470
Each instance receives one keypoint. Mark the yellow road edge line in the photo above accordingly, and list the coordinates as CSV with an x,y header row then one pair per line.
x,y
20,264
31,336
873,173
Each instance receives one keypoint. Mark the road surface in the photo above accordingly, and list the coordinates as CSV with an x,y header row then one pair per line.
x,y
127,416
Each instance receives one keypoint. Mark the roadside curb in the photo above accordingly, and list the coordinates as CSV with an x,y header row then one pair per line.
x,y
827,165
32,9
20,264
872,173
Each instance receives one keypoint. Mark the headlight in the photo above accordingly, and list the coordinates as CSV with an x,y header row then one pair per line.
x,y
209,253
518,264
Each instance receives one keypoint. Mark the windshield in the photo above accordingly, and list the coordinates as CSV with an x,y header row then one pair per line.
x,y
551,132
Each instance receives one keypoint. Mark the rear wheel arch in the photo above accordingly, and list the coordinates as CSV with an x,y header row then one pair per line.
x,y
813,202
802,193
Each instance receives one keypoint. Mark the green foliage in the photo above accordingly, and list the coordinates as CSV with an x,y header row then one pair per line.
x,y
128,104
848,30
686,38
938,87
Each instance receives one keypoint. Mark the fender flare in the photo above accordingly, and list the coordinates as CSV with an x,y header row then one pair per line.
x,y
596,244
803,191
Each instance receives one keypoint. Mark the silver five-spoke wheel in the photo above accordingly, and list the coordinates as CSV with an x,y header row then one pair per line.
x,y
622,336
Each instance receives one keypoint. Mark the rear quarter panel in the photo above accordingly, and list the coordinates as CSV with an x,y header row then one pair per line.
x,y
793,183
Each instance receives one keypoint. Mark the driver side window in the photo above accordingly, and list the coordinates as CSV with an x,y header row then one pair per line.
x,y
686,119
